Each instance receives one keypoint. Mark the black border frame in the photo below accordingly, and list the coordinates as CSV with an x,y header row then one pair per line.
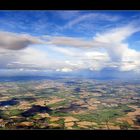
x,y
70,5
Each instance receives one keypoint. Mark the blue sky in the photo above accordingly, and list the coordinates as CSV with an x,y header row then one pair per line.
x,y
70,40
53,22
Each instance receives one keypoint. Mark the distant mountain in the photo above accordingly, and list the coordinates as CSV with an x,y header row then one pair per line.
x,y
108,73
104,74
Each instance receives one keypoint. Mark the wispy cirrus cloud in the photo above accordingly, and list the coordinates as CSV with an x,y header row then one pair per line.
x,y
67,15
88,17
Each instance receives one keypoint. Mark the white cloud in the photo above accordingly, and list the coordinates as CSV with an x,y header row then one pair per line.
x,y
27,58
130,60
64,70
33,56
113,41
65,50
80,53
96,55
118,50
117,34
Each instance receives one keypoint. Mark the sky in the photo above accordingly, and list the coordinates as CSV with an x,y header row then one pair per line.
x,y
69,40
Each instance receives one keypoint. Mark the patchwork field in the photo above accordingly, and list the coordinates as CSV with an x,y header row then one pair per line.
x,y
69,104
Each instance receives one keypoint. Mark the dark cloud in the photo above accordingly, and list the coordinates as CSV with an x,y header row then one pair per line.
x,y
14,41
